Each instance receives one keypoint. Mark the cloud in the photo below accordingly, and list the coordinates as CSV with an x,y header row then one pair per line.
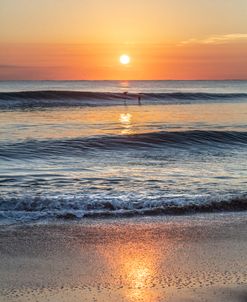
x,y
21,72
11,66
217,39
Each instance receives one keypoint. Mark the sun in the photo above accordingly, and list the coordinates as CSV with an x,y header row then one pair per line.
x,y
124,59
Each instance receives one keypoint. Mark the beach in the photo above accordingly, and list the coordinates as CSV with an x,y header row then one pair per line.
x,y
166,258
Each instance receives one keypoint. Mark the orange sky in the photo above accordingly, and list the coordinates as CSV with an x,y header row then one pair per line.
x,y
82,39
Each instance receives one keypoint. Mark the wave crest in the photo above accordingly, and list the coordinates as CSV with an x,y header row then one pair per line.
x,y
69,147
53,98
32,208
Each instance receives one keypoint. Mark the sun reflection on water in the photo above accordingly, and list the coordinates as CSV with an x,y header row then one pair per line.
x,y
126,123
124,85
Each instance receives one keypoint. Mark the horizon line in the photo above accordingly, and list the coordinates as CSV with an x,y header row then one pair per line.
x,y
117,80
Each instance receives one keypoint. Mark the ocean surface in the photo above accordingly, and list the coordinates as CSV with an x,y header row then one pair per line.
x,y
77,149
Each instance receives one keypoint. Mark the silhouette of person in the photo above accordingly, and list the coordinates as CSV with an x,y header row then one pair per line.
x,y
139,99
125,94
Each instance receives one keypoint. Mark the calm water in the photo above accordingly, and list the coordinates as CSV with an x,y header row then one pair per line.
x,y
76,149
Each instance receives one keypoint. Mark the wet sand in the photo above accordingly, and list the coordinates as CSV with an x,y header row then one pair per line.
x,y
190,258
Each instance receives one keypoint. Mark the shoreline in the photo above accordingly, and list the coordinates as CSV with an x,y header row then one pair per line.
x,y
176,258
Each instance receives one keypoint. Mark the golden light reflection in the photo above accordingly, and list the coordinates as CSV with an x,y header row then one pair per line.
x,y
84,122
126,122
139,272
124,84
135,267
125,118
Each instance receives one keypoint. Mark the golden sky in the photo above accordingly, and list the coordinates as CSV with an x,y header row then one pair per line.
x,y
83,39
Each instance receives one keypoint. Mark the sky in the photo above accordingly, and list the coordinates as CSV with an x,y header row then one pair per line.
x,y
83,39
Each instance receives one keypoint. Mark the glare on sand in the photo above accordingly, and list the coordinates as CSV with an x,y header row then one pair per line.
x,y
137,265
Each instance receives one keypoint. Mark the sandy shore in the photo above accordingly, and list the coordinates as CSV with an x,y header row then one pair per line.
x,y
192,258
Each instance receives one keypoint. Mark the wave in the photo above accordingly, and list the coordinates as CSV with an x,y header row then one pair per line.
x,y
73,147
28,208
53,98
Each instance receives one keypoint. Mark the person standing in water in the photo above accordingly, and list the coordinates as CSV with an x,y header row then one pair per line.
x,y
125,98
139,99
125,94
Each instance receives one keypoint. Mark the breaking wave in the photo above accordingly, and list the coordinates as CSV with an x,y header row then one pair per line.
x,y
53,98
28,208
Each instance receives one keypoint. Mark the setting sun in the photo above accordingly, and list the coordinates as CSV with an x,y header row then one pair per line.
x,y
124,59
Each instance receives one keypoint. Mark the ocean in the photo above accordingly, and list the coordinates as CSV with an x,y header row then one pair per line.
x,y
70,150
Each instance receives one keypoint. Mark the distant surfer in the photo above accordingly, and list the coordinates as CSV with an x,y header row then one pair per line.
x,y
125,97
139,99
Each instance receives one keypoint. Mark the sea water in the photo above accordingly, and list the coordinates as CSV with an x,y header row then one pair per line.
x,y
77,149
